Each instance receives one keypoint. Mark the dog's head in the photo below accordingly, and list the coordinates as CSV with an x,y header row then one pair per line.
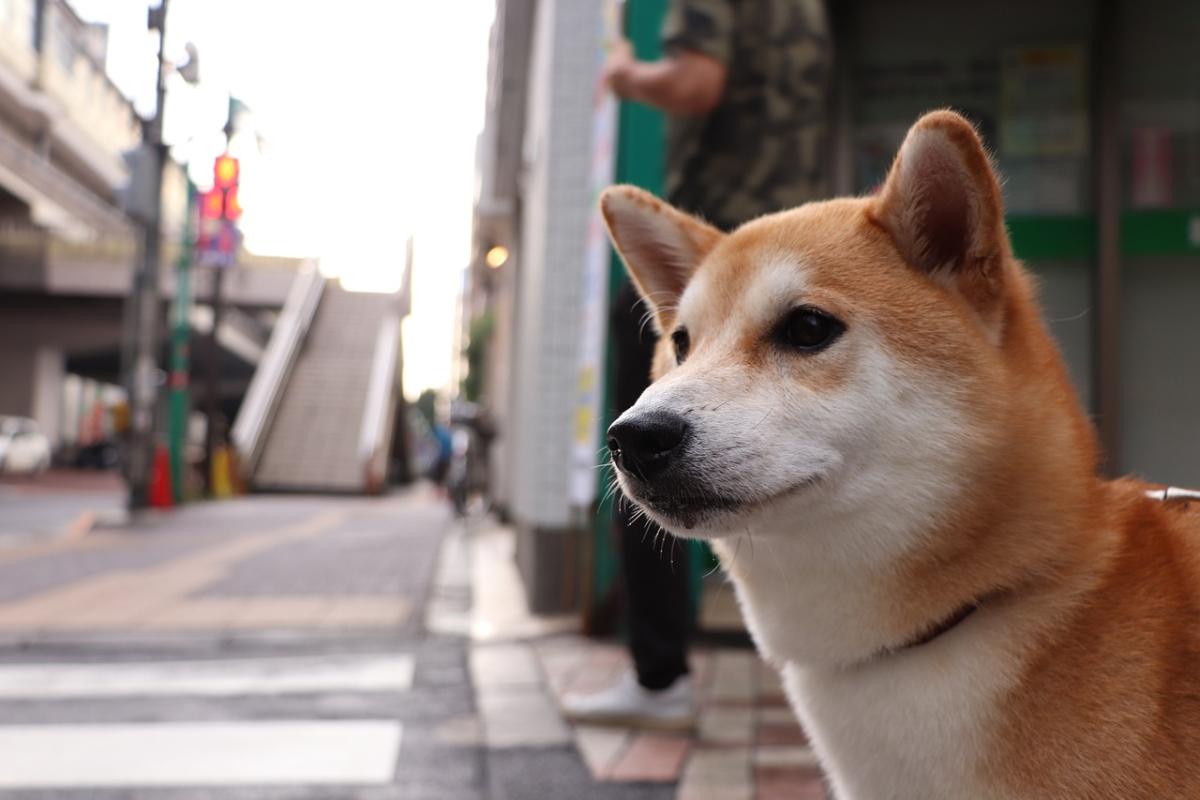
x,y
840,355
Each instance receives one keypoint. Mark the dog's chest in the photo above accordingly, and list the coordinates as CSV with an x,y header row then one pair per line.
x,y
909,729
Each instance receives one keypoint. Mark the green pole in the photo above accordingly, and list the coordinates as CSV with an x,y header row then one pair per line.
x,y
640,157
177,399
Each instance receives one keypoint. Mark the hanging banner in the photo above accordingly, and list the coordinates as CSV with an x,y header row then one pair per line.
x,y
589,382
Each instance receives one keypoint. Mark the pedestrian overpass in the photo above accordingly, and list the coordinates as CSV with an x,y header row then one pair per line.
x,y
322,411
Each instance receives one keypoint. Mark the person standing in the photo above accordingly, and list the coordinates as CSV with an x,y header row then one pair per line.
x,y
745,87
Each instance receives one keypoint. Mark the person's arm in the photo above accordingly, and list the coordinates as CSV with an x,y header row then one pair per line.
x,y
686,83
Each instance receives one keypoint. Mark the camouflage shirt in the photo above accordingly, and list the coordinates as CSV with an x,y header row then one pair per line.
x,y
765,146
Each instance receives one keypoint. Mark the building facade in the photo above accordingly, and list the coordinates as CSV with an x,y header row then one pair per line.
x,y
535,201
63,128
68,252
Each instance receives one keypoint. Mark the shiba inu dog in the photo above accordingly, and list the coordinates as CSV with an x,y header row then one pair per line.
x,y
858,404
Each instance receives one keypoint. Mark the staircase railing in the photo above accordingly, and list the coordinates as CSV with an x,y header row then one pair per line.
x,y
266,387
379,410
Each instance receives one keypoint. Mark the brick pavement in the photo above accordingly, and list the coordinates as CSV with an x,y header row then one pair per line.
x,y
746,745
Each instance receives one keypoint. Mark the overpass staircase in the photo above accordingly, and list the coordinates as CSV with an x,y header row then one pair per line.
x,y
321,410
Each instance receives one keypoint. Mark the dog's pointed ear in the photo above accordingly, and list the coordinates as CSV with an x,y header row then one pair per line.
x,y
942,206
660,245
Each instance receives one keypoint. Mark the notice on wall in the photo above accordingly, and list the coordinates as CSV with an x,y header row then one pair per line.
x,y
589,383
1044,101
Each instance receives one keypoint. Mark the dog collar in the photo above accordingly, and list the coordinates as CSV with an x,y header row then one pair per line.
x,y
945,626
1165,494
929,634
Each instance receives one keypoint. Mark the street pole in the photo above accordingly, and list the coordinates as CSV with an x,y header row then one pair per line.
x,y
214,437
212,387
142,374
177,402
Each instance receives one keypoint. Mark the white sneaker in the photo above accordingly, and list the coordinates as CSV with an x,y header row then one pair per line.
x,y
628,704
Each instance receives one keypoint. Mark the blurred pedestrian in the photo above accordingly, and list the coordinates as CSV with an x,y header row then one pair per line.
x,y
745,86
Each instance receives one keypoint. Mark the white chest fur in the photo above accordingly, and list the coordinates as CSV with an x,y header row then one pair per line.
x,y
910,726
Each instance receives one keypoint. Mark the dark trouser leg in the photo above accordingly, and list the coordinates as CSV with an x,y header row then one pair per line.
x,y
657,593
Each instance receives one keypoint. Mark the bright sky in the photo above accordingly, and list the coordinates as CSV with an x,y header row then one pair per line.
x,y
368,114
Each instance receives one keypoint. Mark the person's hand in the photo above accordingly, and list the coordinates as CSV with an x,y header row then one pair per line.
x,y
616,67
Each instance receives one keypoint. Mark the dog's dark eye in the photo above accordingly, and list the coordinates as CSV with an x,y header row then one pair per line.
x,y
682,343
809,329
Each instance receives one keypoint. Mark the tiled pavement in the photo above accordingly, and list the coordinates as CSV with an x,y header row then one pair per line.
x,y
746,745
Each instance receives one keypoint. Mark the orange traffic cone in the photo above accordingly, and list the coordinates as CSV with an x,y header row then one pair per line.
x,y
160,480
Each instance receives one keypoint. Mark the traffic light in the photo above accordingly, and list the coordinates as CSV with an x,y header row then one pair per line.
x,y
220,210
221,203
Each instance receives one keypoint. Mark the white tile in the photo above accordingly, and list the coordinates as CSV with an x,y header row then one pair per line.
x,y
504,665
199,754
727,725
733,676
717,774
784,756
499,610
520,717
600,746
269,676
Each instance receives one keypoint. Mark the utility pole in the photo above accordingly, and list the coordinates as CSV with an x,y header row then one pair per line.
x,y
142,373
177,398
215,428
226,174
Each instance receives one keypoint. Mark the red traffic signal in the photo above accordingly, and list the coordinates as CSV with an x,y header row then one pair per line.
x,y
221,204
225,172
233,209
212,204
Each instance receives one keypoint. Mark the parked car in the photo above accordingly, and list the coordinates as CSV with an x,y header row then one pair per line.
x,y
24,449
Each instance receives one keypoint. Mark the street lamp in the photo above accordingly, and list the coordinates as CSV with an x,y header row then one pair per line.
x,y
497,256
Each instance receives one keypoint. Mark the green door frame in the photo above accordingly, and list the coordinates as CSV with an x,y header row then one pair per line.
x,y
640,161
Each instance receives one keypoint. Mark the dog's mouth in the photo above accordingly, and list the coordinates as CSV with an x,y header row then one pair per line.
x,y
688,505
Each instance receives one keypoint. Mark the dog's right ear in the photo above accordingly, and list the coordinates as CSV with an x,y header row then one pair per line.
x,y
660,245
942,206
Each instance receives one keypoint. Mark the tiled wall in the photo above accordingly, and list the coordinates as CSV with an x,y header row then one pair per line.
x,y
556,208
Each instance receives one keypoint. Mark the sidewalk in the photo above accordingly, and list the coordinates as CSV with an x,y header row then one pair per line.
x,y
747,745
244,565
60,503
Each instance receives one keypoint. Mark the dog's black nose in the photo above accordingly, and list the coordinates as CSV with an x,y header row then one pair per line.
x,y
646,444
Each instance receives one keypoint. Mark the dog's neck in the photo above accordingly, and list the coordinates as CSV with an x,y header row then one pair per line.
x,y
805,611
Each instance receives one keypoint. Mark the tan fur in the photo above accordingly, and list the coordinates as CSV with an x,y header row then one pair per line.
x,y
1096,584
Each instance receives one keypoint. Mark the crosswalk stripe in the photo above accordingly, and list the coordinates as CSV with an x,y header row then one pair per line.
x,y
259,676
256,753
